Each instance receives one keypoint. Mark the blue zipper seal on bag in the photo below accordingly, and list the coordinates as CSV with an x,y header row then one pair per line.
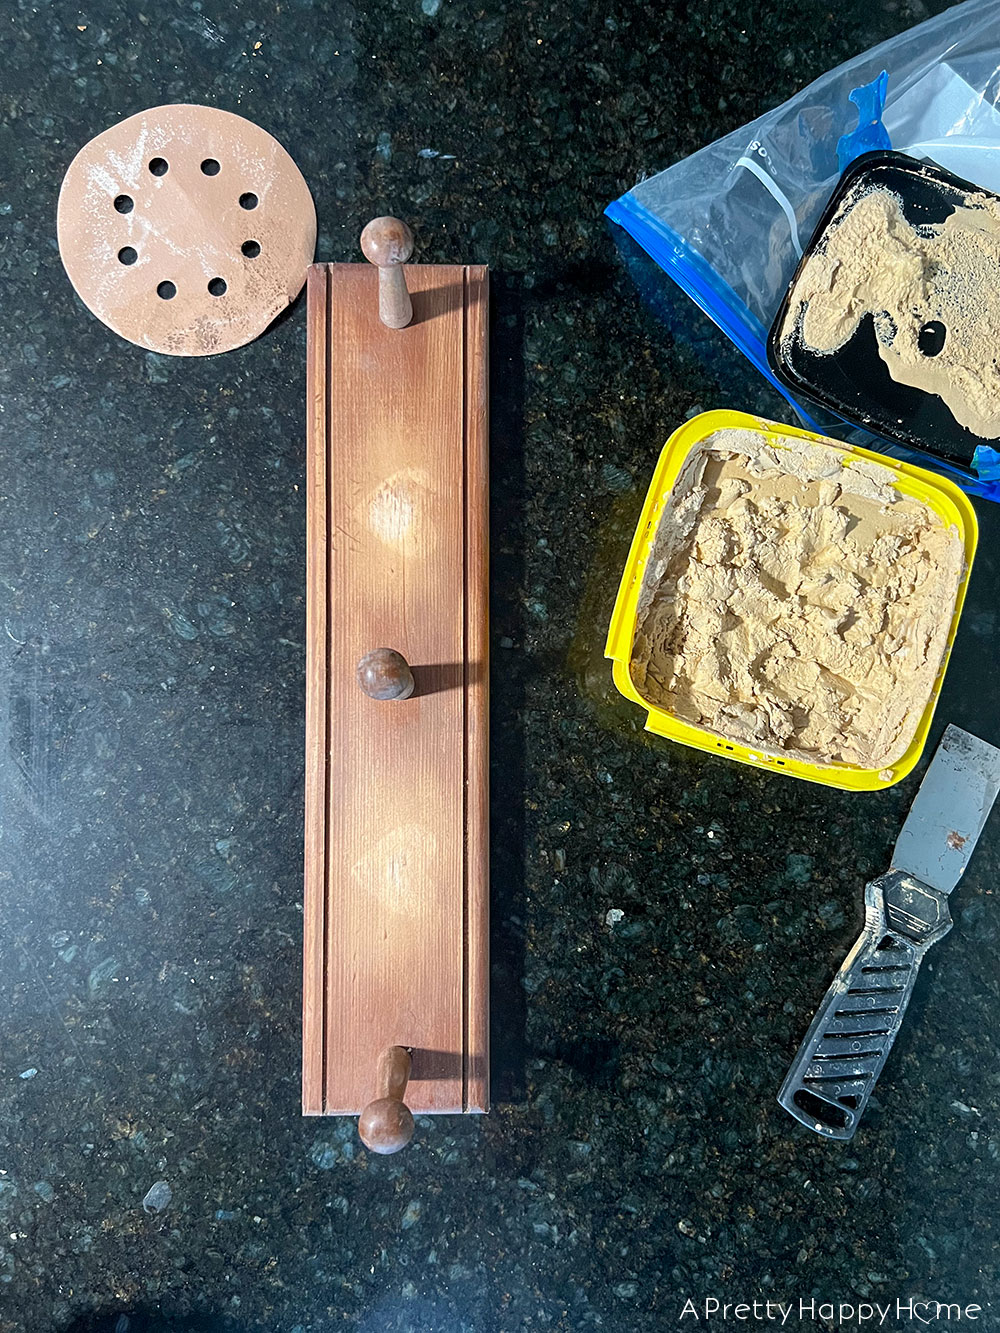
x,y
869,133
704,286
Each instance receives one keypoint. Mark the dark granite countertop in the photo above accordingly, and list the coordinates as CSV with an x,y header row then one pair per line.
x,y
151,713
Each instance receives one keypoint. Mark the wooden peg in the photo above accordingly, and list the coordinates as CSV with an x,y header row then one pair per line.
x,y
388,243
386,1124
385,674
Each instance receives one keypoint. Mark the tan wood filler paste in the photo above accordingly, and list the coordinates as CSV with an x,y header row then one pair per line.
x,y
874,261
795,604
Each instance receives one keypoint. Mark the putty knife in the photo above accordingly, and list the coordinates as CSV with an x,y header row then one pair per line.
x,y
906,911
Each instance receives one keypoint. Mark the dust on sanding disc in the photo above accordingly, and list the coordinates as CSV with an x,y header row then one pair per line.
x,y
186,229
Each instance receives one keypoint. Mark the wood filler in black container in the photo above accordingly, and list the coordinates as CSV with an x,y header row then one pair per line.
x,y
890,320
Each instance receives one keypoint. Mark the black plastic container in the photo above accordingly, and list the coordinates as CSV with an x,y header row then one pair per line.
x,y
854,382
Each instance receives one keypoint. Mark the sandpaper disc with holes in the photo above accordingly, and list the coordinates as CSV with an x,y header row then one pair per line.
x,y
186,229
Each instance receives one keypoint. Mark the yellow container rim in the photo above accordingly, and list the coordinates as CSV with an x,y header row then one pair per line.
x,y
942,495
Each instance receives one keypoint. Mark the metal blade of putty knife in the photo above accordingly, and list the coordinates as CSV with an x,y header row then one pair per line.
x,y
949,811
906,911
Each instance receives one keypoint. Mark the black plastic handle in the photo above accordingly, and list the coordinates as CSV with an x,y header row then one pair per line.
x,y
833,1074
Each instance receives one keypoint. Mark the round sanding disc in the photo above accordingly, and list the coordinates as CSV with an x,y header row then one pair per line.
x,y
186,229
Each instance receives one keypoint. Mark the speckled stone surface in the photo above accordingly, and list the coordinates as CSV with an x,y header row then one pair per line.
x,y
153,1162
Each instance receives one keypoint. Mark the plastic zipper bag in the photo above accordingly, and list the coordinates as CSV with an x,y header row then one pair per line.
x,y
729,222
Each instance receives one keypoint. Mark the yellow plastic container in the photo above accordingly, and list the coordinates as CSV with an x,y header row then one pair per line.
x,y
943,496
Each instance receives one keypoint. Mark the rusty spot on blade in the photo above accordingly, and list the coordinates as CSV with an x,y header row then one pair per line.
x,y
956,841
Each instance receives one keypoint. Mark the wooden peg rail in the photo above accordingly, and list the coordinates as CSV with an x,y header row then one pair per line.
x,y
396,872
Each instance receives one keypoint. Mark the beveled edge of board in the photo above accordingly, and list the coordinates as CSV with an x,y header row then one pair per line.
x,y
316,768
475,1056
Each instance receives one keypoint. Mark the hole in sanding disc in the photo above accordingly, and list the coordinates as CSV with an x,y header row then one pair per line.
x,y
123,204
248,200
251,249
126,255
217,286
210,167
166,290
159,166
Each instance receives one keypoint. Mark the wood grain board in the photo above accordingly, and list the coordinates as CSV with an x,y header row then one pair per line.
x,y
396,855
